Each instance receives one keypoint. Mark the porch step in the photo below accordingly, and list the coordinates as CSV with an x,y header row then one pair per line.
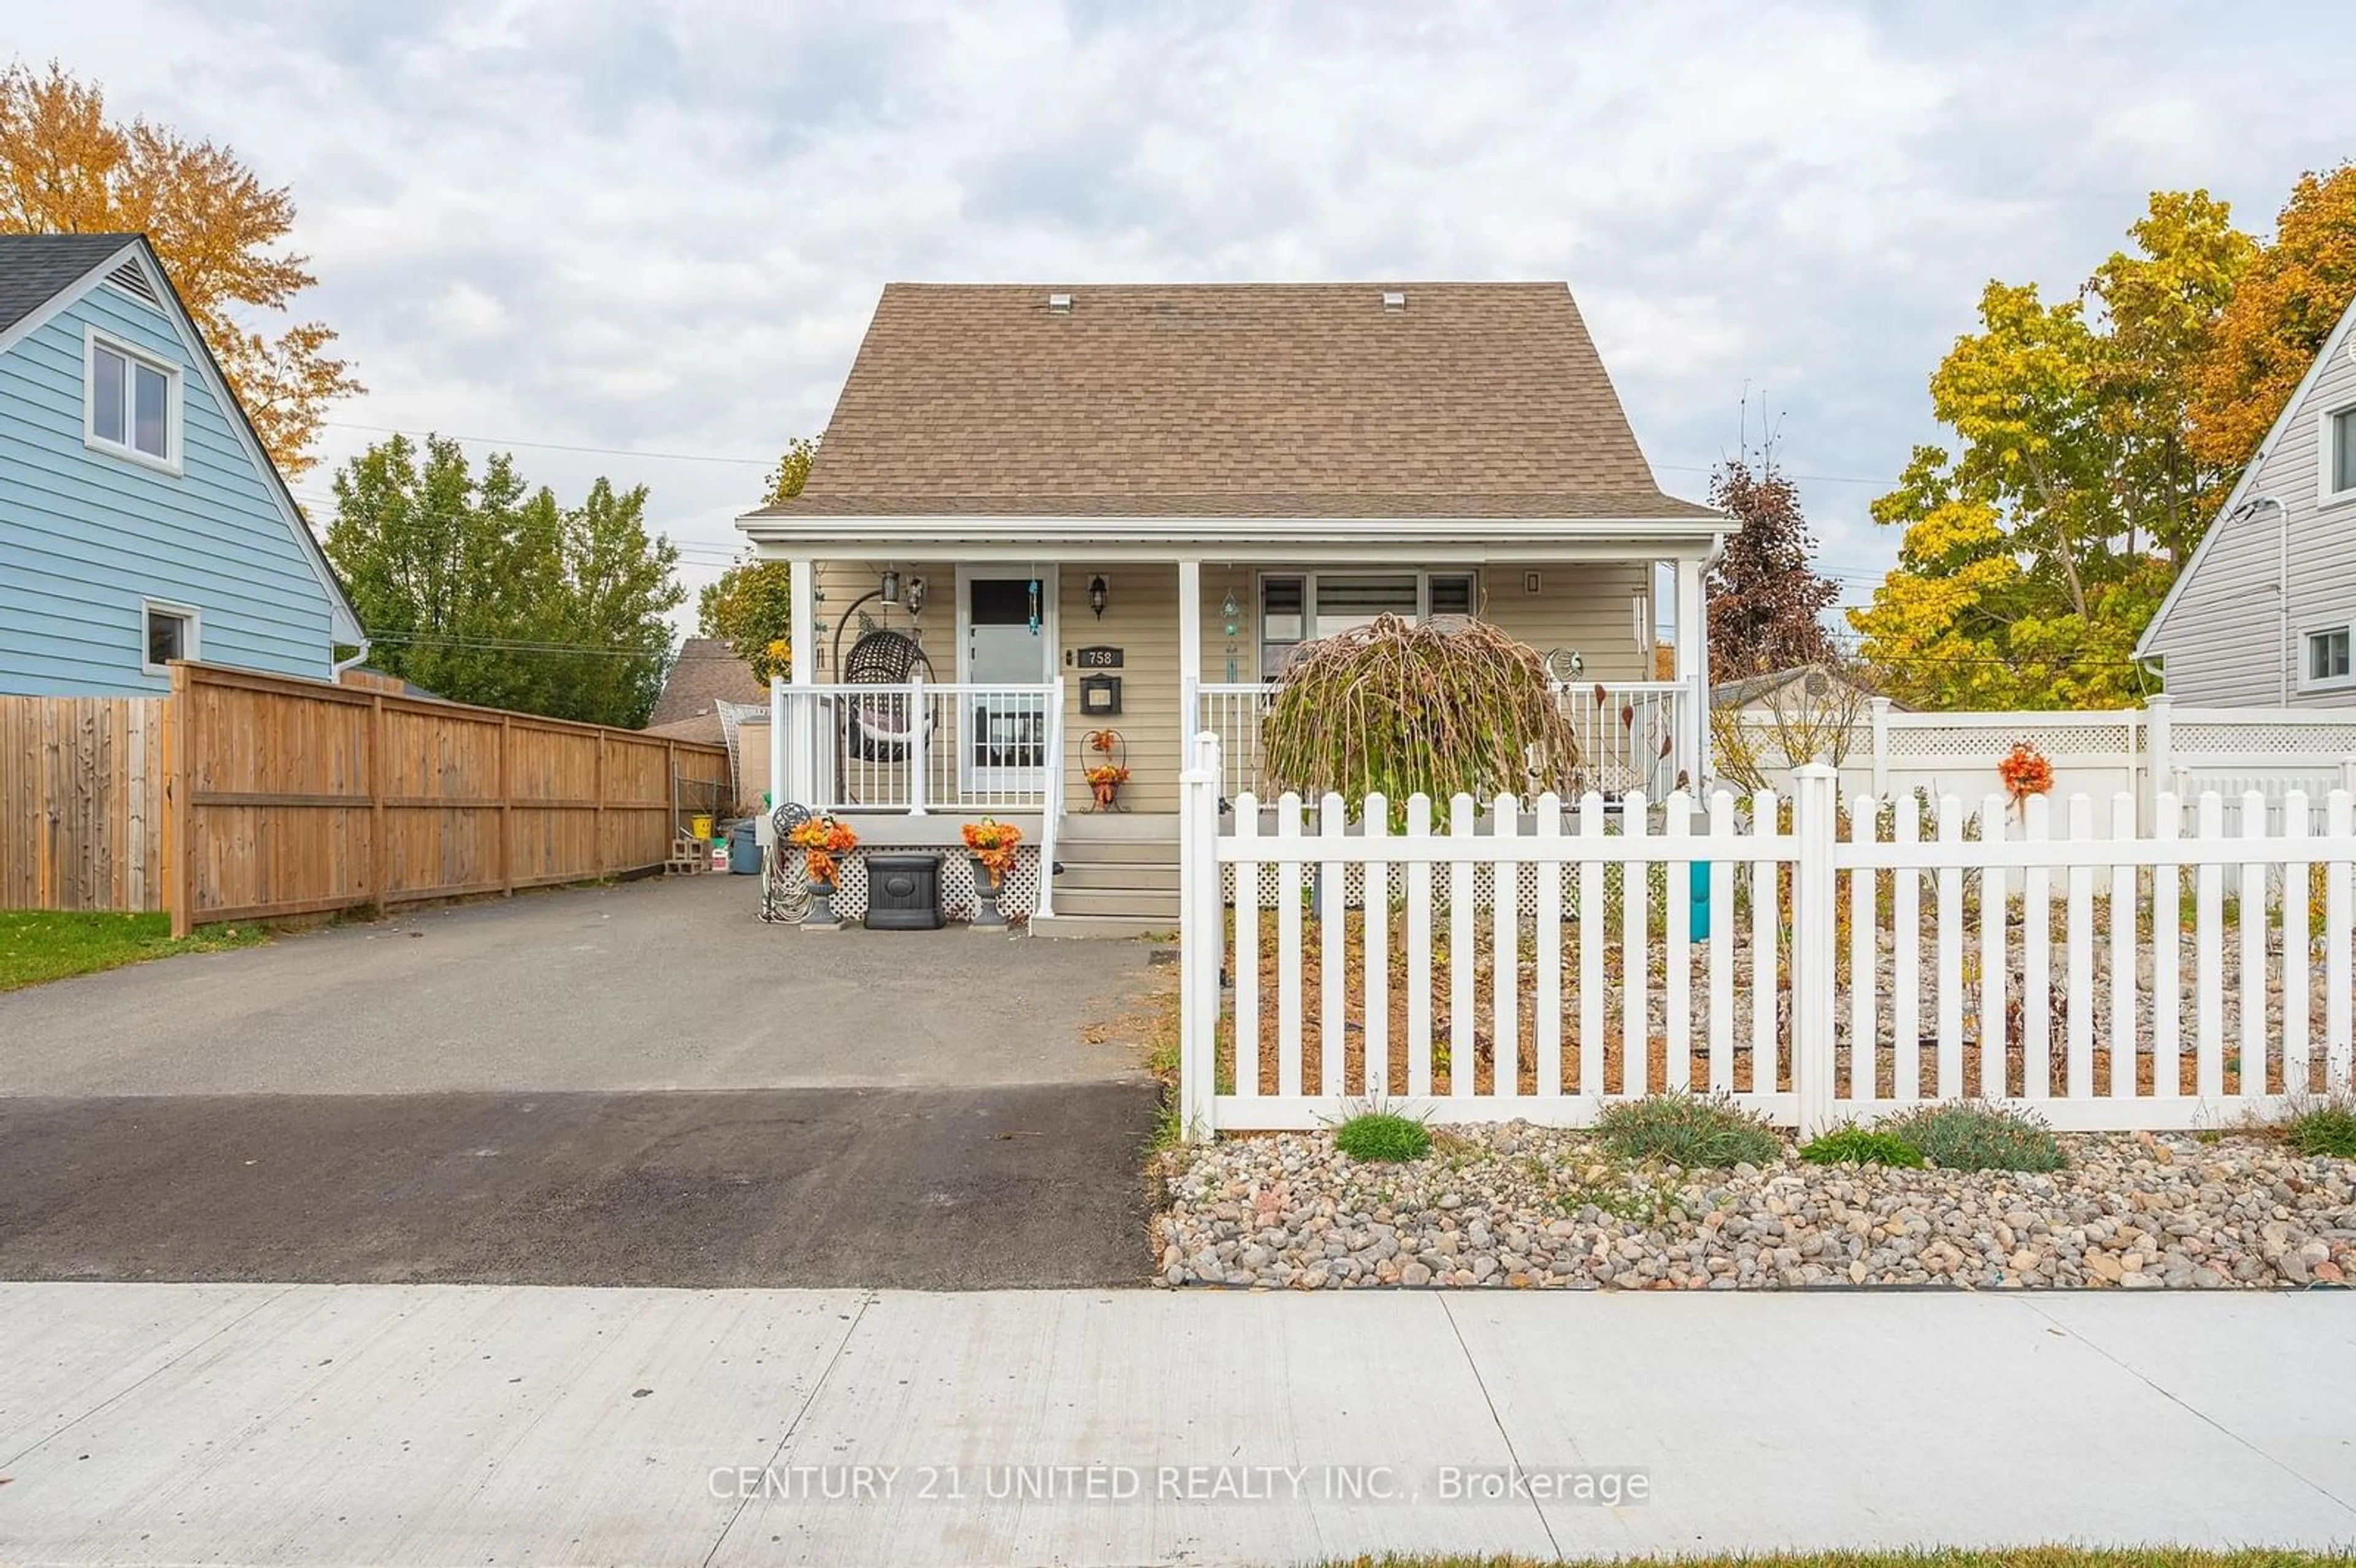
x,y
1115,875
1118,873
1068,926
1129,903
1079,849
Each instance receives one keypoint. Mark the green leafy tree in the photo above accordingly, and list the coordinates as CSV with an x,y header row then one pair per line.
x,y
2038,548
751,607
483,589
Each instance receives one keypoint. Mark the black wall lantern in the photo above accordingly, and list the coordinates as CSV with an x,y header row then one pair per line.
x,y
1097,595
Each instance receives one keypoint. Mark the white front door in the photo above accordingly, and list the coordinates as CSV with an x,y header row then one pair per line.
x,y
1006,637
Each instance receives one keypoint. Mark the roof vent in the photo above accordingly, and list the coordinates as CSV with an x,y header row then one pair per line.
x,y
131,281
1394,300
1060,303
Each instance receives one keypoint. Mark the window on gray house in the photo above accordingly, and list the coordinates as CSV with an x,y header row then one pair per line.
x,y
2343,456
2326,654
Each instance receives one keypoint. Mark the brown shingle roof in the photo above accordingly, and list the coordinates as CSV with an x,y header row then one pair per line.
x,y
1260,400
705,671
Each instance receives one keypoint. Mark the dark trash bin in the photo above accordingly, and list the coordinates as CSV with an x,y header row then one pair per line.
x,y
744,848
903,892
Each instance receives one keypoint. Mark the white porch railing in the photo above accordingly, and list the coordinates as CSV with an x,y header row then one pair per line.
x,y
1627,733
927,746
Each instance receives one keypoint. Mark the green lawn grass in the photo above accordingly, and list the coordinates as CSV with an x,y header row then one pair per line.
x,y
2013,1557
43,944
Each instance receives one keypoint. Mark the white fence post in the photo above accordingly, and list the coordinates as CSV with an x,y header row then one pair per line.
x,y
1201,931
916,764
1880,707
1815,807
2159,743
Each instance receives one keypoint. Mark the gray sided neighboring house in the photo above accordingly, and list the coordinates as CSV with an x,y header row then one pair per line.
x,y
140,519
2265,614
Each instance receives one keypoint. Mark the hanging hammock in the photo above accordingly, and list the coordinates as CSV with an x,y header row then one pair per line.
x,y
879,728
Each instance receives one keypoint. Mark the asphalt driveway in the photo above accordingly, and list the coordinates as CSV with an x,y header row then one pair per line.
x,y
639,1084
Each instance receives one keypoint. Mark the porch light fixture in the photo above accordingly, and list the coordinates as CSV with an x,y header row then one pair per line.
x,y
891,592
914,596
1097,594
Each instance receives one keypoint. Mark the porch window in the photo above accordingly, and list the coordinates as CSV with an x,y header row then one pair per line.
x,y
1297,606
1344,602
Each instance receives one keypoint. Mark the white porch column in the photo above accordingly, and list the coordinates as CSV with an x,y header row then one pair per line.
x,y
803,573
1189,649
779,717
1693,672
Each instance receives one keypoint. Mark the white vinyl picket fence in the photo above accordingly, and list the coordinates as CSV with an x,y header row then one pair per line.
x,y
1816,959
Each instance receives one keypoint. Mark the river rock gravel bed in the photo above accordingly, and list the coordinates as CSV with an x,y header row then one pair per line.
x,y
1522,1207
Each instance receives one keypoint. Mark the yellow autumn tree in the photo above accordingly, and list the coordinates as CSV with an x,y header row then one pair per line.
x,y
2284,308
66,167
2036,547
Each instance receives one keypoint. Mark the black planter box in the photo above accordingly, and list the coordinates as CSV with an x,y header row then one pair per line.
x,y
903,892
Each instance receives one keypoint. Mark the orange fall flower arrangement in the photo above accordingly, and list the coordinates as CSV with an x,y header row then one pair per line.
x,y
992,843
823,841
2025,772
1105,778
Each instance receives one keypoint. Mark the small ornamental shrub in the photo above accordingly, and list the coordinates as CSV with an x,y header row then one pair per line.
x,y
2329,1128
1698,1132
1971,1135
1852,1145
1396,707
1383,1138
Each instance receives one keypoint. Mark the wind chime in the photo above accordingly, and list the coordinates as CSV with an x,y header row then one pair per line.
x,y
1232,615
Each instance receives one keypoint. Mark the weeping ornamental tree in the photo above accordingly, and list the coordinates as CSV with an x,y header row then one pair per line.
x,y
1447,708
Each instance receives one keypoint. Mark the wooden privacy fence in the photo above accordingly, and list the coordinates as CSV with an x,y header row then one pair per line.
x,y
1815,959
81,803
298,797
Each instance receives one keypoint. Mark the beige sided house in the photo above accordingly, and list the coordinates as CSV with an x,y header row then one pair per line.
x,y
1064,510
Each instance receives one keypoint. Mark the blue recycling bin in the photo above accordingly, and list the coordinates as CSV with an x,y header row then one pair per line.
x,y
1698,927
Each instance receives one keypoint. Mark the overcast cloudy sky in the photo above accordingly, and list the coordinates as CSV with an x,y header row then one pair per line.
x,y
659,228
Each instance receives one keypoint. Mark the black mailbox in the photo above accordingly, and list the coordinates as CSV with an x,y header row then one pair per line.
x,y
1099,696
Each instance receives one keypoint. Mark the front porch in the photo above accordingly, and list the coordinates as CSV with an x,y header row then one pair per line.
x,y
1022,672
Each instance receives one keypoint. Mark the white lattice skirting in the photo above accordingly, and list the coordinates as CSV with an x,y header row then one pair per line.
x,y
1016,900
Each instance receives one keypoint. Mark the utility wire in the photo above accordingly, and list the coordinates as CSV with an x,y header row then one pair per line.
x,y
558,446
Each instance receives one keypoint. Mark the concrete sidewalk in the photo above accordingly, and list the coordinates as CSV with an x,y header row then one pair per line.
x,y
414,1424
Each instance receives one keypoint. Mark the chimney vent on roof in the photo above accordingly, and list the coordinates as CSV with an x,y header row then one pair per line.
x,y
1394,300
1060,303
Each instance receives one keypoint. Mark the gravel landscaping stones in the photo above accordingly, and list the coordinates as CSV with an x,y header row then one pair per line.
x,y
1519,1206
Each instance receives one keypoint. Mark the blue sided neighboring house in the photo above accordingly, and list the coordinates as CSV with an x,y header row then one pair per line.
x,y
140,520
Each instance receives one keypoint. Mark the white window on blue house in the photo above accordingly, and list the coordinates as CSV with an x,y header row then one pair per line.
x,y
132,404
171,633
